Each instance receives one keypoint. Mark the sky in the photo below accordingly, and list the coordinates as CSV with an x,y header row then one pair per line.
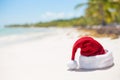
x,y
32,11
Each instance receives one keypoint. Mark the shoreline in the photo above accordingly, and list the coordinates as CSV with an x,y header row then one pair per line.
x,y
28,36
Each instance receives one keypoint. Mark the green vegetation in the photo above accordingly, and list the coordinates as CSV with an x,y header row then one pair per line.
x,y
102,11
19,25
97,12
59,23
63,23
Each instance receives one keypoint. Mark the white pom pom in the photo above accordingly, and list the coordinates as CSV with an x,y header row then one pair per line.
x,y
72,64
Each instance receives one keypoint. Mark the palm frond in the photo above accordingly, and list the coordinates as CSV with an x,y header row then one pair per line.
x,y
80,5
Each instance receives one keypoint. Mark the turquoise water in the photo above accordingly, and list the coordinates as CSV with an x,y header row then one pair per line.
x,y
10,36
17,31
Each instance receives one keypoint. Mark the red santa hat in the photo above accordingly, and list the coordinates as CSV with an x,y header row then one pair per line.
x,y
92,54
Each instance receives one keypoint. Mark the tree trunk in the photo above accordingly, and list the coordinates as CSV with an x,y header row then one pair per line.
x,y
103,22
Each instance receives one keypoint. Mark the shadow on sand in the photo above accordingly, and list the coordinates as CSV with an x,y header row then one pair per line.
x,y
90,70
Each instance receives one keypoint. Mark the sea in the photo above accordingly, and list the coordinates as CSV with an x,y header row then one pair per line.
x,y
18,31
10,35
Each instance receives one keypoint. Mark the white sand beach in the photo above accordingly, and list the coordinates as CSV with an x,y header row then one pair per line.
x,y
46,59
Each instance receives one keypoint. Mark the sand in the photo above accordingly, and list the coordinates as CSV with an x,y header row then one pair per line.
x,y
46,59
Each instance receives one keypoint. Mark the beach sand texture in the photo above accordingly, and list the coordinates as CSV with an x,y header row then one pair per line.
x,y
46,59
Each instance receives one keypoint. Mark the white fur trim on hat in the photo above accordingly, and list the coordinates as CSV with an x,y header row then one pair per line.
x,y
72,64
96,62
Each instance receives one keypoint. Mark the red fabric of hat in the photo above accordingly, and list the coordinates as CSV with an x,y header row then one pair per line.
x,y
88,46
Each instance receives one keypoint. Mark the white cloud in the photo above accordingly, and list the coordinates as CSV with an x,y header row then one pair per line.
x,y
53,15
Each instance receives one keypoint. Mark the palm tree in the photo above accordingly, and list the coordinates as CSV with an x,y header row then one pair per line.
x,y
104,10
